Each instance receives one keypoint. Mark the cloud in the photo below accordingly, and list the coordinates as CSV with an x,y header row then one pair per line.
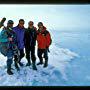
x,y
55,16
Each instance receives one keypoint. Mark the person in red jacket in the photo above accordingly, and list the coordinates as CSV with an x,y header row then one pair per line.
x,y
43,41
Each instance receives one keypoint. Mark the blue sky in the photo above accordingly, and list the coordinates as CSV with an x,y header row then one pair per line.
x,y
59,17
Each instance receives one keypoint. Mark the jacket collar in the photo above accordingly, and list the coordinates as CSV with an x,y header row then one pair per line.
x,y
20,27
44,28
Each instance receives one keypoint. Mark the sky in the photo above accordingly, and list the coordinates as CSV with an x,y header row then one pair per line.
x,y
57,17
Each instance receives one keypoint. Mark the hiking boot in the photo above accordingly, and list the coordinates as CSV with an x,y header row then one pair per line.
x,y
46,63
40,63
9,72
12,68
21,64
34,66
28,64
17,67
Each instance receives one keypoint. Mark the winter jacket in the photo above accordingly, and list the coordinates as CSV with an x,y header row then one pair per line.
x,y
43,39
30,37
20,36
5,44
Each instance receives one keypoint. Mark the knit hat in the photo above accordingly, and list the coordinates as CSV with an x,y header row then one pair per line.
x,y
40,23
10,22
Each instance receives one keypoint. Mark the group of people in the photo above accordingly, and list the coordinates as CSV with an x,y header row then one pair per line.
x,y
13,40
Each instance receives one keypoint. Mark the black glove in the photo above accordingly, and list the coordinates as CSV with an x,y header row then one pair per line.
x,y
48,49
2,22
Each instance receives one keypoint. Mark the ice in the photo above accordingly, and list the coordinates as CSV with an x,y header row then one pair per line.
x,y
59,59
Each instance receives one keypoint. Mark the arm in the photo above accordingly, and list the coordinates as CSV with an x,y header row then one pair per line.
x,y
3,36
49,40
24,37
35,35
2,22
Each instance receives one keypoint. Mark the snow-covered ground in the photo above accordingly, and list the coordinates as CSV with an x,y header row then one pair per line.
x,y
53,75
69,63
77,41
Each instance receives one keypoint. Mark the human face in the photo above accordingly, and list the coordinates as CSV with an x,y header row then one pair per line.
x,y
21,24
30,24
10,25
40,27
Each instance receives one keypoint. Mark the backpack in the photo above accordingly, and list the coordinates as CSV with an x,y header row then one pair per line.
x,y
4,48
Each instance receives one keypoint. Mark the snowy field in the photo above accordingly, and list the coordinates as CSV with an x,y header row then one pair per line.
x,y
69,63
53,75
69,57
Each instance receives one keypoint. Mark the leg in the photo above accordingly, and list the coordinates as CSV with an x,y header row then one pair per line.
x,y
9,61
21,53
40,52
33,57
16,62
21,56
27,50
46,58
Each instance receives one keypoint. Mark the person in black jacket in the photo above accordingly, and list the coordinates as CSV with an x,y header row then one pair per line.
x,y
30,42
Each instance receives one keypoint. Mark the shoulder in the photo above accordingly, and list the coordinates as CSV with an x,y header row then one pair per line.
x,y
37,31
15,28
35,28
4,29
46,32
3,32
26,30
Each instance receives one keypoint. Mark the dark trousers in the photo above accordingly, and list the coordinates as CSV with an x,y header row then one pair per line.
x,y
9,58
21,51
30,52
42,52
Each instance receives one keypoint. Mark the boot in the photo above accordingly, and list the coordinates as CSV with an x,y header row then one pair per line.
x,y
29,62
9,71
16,66
40,63
34,66
21,64
46,63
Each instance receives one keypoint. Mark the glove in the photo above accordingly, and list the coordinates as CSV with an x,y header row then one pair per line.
x,y
2,22
48,49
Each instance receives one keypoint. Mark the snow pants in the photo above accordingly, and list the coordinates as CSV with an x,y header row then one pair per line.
x,y
42,52
30,52
9,58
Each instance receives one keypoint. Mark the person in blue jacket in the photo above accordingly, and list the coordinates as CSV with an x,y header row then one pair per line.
x,y
8,44
19,30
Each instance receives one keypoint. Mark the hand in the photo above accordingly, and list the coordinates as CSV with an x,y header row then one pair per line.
x,y
47,47
10,39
